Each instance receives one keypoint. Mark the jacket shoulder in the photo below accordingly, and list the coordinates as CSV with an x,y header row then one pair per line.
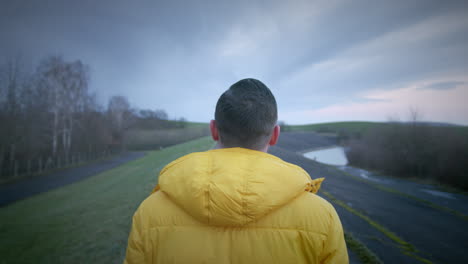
x,y
307,212
159,210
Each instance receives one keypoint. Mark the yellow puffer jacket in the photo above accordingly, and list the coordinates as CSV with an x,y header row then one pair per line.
x,y
235,205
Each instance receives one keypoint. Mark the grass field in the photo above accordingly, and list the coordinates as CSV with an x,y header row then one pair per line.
x,y
150,139
197,124
334,127
355,126
88,221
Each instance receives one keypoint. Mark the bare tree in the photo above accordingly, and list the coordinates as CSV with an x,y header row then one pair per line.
x,y
49,116
415,116
161,114
10,87
66,84
120,115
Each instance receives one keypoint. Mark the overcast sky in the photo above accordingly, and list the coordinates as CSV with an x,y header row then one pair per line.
x,y
323,60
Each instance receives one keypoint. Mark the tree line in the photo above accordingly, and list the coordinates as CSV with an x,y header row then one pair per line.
x,y
50,118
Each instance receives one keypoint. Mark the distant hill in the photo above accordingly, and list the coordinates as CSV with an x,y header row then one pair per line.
x,y
357,126
335,127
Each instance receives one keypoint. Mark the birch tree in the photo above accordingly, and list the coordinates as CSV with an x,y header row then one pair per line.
x,y
120,115
10,88
66,84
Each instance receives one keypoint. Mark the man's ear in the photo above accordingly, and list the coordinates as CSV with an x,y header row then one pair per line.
x,y
214,130
274,135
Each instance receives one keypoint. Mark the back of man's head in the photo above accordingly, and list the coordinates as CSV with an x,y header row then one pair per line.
x,y
246,114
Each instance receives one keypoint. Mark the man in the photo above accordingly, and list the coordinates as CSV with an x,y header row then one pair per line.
x,y
236,203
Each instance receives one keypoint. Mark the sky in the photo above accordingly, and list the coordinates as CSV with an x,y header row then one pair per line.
x,y
324,61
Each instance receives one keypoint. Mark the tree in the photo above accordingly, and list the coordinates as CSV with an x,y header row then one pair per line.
x,y
66,84
51,114
11,82
161,114
120,115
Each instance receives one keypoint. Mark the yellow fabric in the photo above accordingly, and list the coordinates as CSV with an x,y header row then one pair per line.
x,y
235,205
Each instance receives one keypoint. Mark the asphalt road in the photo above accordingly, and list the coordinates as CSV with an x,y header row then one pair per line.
x,y
398,228
12,192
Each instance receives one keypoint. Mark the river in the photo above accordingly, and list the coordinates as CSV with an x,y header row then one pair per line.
x,y
336,156
332,156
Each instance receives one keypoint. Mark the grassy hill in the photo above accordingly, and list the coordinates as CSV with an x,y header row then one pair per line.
x,y
88,221
148,139
335,127
360,127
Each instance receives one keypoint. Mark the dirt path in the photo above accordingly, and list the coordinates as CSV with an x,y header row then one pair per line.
x,y
398,228
10,193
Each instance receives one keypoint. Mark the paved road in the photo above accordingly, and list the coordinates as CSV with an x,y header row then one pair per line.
x,y
396,227
428,192
21,189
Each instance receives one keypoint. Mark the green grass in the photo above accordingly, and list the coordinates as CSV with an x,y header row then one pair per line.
x,y
189,124
364,254
88,221
334,127
197,124
144,139
351,127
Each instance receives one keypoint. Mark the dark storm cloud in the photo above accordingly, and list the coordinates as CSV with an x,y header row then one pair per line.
x,y
180,55
355,22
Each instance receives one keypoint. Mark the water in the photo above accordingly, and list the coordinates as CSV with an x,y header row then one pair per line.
x,y
440,194
332,156
336,156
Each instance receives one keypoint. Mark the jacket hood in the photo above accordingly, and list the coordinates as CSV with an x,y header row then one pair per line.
x,y
233,186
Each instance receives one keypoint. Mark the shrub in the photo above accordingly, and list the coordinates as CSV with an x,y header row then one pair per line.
x,y
414,150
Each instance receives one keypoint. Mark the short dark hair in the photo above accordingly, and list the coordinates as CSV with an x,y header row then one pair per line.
x,y
246,114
